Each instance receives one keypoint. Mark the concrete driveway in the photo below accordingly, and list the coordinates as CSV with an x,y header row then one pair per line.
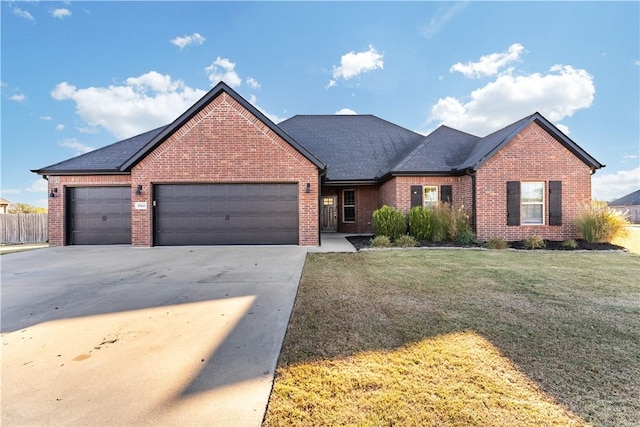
x,y
114,335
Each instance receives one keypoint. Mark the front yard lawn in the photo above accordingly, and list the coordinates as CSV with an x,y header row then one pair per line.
x,y
462,337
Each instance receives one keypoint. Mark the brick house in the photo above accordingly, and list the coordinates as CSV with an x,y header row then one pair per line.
x,y
223,173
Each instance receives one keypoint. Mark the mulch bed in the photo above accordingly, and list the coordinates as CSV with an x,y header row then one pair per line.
x,y
363,242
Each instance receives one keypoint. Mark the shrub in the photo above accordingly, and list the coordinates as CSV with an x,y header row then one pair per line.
x,y
570,244
442,223
496,243
533,242
405,241
602,224
420,223
388,221
381,242
466,237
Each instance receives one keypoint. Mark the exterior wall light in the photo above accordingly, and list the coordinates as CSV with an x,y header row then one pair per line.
x,y
308,190
139,190
53,193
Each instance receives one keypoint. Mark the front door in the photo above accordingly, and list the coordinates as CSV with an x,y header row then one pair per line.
x,y
329,213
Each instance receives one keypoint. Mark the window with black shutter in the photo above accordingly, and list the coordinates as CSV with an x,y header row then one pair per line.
x,y
513,202
416,195
446,194
555,202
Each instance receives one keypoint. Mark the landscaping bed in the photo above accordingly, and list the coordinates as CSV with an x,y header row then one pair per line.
x,y
364,242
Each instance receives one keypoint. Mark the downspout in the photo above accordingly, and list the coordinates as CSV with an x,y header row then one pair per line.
x,y
470,172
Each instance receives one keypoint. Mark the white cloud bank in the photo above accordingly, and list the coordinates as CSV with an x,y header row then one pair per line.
x,y
60,13
222,69
76,145
610,186
489,65
556,94
183,41
18,97
23,14
353,64
38,186
345,112
140,104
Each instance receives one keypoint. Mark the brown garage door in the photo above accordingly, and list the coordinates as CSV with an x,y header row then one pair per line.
x,y
226,214
99,215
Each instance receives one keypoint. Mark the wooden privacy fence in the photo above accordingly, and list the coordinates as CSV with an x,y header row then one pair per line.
x,y
24,228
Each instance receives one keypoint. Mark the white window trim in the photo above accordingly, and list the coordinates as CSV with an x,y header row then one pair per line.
x,y
424,196
542,203
345,206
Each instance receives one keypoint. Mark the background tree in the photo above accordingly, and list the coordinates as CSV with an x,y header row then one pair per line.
x,y
23,208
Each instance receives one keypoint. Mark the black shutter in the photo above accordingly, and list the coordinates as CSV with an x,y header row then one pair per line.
x,y
446,192
513,202
416,195
555,202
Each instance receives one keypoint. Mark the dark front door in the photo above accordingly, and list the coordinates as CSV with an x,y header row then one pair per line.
x,y
99,215
329,213
226,214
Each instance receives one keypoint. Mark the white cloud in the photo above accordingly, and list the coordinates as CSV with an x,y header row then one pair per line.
x,y
60,127
345,112
489,65
38,186
23,14
563,128
48,118
183,41
76,145
612,186
353,64
60,13
223,70
142,103
441,19
6,191
18,97
636,63
253,83
556,95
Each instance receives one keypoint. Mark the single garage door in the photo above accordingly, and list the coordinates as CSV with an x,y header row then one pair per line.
x,y
226,214
99,215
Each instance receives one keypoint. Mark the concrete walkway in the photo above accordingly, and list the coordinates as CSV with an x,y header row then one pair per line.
x,y
333,242
115,335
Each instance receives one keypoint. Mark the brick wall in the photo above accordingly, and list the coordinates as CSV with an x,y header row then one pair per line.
x,y
461,190
57,207
533,155
225,143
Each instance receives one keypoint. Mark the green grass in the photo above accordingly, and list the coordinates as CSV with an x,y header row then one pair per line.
x,y
441,337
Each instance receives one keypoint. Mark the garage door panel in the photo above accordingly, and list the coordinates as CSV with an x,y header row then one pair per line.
x,y
99,215
219,214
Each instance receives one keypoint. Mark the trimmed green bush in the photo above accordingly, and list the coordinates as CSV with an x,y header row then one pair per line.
x,y
388,221
533,242
602,224
381,242
466,237
420,223
570,244
496,243
405,241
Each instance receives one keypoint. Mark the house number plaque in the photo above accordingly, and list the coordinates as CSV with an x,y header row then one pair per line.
x,y
140,206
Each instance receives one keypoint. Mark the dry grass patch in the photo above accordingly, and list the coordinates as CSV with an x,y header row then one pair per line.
x,y
462,338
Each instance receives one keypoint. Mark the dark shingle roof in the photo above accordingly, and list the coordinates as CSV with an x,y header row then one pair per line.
x,y
630,199
355,147
440,152
105,159
492,143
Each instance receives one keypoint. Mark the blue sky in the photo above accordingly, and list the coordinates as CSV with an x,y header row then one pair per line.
x,y
80,75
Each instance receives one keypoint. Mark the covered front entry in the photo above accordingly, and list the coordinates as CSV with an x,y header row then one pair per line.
x,y
98,215
226,214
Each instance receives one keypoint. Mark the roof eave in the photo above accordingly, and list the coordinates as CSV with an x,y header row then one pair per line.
x,y
80,172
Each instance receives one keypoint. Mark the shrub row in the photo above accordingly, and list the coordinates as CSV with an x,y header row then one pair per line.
x,y
434,224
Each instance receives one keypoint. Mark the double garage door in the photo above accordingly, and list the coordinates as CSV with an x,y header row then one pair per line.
x,y
190,214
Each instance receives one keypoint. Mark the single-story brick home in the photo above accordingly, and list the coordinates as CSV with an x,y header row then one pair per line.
x,y
223,173
629,205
